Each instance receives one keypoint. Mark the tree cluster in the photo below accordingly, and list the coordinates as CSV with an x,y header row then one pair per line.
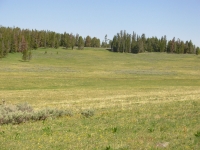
x,y
124,42
16,40
92,42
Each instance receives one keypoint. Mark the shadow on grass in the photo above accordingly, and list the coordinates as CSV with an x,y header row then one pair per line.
x,y
24,60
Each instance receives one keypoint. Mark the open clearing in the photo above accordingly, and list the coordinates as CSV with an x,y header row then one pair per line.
x,y
142,101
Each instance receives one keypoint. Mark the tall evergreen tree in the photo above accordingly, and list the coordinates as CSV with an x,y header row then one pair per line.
x,y
155,44
149,45
141,46
88,41
162,44
67,40
98,43
118,42
105,40
57,40
190,47
80,43
134,44
45,40
1,47
143,38
178,46
114,44
77,38
197,51
73,40
123,37
182,46
186,48
26,55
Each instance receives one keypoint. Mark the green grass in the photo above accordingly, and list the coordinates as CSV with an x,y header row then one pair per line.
x,y
140,101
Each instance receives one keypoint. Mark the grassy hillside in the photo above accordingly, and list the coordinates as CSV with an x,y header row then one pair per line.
x,y
147,101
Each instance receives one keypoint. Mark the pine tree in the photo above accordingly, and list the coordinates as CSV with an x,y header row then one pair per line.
x,y
8,47
171,47
45,40
190,47
118,42
77,39
128,43
88,41
57,41
34,40
98,42
155,44
123,41
141,46
26,55
197,51
162,44
80,43
67,41
178,46
143,38
114,44
73,40
182,46
133,43
186,48
4,52
105,41
1,47
149,45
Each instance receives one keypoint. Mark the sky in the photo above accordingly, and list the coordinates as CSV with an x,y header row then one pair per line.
x,y
96,18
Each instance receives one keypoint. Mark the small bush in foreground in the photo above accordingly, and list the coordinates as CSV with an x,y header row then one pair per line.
x,y
197,134
114,130
87,113
16,114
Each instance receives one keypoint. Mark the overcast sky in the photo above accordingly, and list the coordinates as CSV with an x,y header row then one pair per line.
x,y
173,18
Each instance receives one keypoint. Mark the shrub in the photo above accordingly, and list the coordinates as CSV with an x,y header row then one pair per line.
x,y
197,134
16,114
114,130
108,148
24,107
87,113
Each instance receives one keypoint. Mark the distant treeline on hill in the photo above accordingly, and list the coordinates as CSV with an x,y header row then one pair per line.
x,y
21,40
124,42
13,39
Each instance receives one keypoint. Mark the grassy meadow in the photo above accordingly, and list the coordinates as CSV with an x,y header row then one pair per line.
x,y
140,101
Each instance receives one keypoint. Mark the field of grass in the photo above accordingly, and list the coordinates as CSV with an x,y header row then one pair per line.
x,y
140,101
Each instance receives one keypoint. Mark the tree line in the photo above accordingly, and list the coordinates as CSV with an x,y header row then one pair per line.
x,y
23,40
18,40
124,42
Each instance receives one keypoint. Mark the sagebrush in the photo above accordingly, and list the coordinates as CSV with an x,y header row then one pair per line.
x,y
16,114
